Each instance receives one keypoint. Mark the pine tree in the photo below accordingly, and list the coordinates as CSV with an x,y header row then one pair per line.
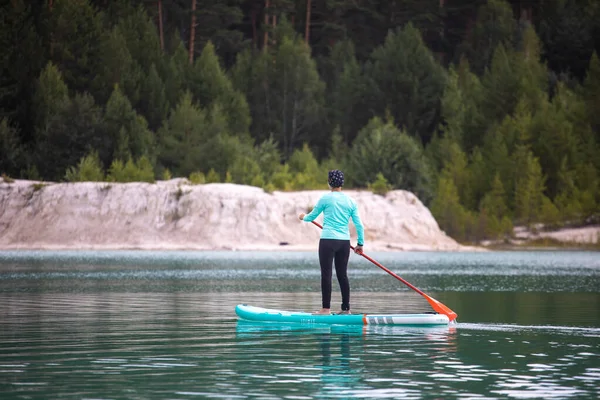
x,y
117,67
75,31
141,38
193,139
153,100
381,147
447,210
529,187
22,58
455,167
178,74
216,20
10,148
479,172
128,130
566,29
180,137
454,109
73,132
284,91
346,90
591,88
407,81
252,76
210,84
554,142
51,91
514,77
500,86
297,94
494,26
494,201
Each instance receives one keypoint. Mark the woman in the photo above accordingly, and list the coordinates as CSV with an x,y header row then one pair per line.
x,y
337,209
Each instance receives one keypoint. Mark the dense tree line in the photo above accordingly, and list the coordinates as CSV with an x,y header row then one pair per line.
x,y
488,110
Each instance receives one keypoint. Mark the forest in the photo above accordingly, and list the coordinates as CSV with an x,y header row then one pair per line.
x,y
489,110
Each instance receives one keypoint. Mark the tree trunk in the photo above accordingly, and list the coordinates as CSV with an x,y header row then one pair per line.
x,y
274,19
253,19
307,27
266,38
160,25
50,4
192,32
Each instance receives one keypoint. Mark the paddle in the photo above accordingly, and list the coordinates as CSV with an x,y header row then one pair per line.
x,y
436,305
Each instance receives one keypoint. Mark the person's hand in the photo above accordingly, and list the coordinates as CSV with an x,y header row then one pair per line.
x,y
301,216
358,249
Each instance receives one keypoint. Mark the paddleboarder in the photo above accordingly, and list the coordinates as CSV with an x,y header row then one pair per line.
x,y
334,246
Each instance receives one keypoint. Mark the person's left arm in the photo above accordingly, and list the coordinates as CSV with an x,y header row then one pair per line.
x,y
360,230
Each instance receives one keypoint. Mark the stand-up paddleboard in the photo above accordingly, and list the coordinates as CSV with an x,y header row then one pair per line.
x,y
253,313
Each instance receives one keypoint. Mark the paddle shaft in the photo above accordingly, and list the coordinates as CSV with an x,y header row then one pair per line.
x,y
437,306
384,268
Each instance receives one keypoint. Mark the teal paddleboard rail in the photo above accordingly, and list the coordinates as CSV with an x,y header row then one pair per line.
x,y
252,313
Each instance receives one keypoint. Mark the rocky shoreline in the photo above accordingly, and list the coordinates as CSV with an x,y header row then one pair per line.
x,y
176,215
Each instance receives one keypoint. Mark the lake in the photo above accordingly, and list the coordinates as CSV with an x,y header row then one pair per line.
x,y
161,325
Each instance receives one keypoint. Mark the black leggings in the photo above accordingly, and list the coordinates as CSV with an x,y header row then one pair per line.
x,y
331,250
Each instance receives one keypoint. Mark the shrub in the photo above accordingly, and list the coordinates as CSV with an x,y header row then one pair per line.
x,y
380,186
89,169
38,186
145,170
197,178
258,181
269,188
303,181
131,171
213,176
7,179
282,178
244,170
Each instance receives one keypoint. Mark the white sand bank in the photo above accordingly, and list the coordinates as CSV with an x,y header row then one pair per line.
x,y
174,215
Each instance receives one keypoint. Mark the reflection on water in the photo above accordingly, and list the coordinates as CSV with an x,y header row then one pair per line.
x,y
144,329
338,357
340,360
466,360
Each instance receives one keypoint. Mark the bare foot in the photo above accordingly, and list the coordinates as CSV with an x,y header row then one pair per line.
x,y
344,312
323,311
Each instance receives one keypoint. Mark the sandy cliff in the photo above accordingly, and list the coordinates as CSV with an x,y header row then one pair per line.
x,y
176,215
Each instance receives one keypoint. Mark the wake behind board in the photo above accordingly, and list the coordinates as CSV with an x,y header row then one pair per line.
x,y
253,313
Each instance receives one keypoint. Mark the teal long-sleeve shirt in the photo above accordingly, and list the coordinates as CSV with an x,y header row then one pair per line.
x,y
337,209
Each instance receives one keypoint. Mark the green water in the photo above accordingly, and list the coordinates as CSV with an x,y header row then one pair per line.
x,y
161,325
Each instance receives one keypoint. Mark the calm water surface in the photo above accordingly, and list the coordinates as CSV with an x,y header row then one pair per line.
x,y
161,325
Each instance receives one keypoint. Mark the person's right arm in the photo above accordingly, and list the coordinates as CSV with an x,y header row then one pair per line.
x,y
315,211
